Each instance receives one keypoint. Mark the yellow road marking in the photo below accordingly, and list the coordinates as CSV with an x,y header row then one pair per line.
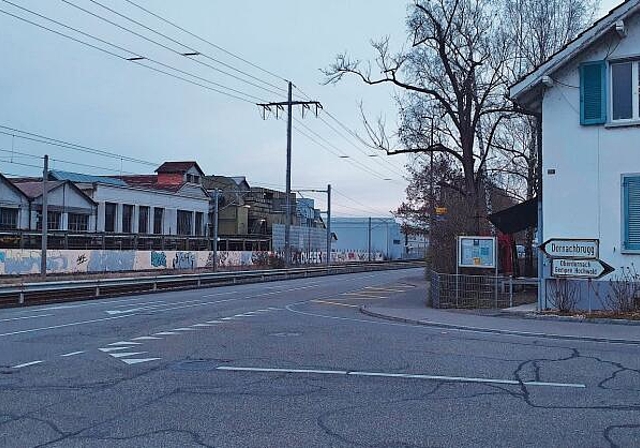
x,y
374,289
335,303
364,294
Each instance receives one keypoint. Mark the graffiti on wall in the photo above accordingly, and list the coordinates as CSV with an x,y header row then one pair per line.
x,y
158,259
22,262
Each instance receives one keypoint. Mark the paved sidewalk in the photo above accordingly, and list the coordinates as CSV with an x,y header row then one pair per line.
x,y
411,308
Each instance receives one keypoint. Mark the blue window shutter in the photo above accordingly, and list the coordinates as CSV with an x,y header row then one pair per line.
x,y
593,93
631,187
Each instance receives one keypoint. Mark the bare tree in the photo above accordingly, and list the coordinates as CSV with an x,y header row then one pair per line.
x,y
453,71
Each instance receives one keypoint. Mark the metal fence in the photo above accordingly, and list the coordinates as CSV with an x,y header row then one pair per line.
x,y
465,291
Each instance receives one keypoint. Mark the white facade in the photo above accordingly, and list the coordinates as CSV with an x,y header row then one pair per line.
x,y
193,201
353,235
589,147
583,166
13,202
66,200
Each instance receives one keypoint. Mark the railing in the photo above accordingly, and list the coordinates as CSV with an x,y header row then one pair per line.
x,y
58,239
479,291
56,291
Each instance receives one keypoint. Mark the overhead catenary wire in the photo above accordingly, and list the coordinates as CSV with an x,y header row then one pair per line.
x,y
136,57
30,136
353,134
166,47
190,48
327,145
218,47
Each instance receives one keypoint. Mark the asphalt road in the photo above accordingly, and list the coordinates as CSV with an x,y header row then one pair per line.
x,y
294,364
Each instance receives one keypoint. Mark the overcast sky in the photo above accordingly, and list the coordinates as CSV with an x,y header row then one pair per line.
x,y
58,88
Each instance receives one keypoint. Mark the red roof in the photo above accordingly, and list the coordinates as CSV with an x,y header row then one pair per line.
x,y
150,182
177,167
34,189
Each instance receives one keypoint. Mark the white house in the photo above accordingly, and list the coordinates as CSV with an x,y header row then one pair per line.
x,y
173,202
68,208
589,100
14,206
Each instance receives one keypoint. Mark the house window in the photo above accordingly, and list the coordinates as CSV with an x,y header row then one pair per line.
x,y
624,89
8,218
143,220
54,220
158,218
184,222
199,216
631,202
127,218
78,222
109,217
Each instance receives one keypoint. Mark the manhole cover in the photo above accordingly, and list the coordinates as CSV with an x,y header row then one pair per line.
x,y
290,334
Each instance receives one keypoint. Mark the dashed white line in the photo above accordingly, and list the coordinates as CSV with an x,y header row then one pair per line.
x,y
202,325
124,355
66,355
145,338
114,349
165,333
27,364
123,343
9,319
183,329
138,360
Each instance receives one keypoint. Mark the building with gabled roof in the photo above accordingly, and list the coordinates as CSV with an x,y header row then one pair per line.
x,y
14,206
587,95
68,207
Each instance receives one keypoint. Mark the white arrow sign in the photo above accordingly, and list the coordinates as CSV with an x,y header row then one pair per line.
x,y
571,248
573,268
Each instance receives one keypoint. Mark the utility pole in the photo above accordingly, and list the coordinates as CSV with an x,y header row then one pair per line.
x,y
279,106
44,218
369,238
216,210
328,225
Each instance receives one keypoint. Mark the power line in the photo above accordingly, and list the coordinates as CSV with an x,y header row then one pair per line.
x,y
166,47
191,49
136,59
392,167
72,146
206,41
337,151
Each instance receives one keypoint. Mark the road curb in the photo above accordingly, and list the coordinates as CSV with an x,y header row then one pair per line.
x,y
368,312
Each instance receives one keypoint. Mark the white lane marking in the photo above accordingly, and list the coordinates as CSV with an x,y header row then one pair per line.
x,y
241,315
202,325
455,379
165,333
145,338
109,302
139,360
123,355
183,329
55,327
66,355
129,311
227,318
124,343
26,364
9,319
113,349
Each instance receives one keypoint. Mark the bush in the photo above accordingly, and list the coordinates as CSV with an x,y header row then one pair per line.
x,y
624,291
563,295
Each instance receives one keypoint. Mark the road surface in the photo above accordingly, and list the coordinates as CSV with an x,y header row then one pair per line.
x,y
295,364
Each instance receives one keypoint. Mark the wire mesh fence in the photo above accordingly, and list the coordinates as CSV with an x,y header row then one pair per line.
x,y
465,291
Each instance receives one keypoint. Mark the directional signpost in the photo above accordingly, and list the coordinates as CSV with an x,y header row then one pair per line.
x,y
571,248
576,268
575,258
